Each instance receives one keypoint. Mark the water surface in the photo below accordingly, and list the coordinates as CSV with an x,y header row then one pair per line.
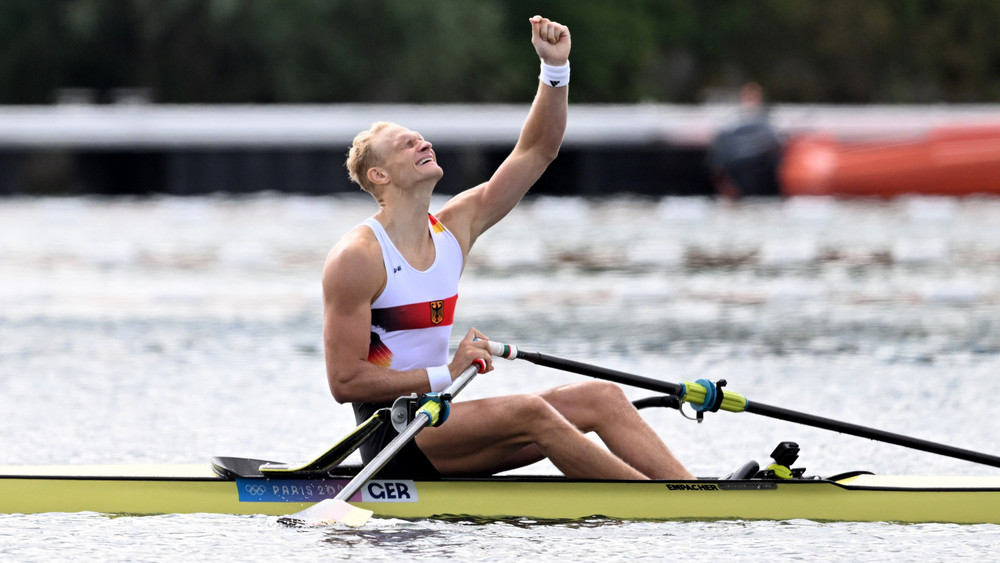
x,y
169,330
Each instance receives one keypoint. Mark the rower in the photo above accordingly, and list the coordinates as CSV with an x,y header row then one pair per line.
x,y
390,289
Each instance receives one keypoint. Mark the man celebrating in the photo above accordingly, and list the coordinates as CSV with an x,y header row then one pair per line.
x,y
390,286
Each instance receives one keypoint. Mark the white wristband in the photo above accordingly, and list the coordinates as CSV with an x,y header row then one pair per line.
x,y
555,76
439,378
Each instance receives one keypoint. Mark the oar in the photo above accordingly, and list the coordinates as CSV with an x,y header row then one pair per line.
x,y
337,509
707,396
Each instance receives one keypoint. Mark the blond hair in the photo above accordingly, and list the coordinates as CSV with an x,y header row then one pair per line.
x,y
362,156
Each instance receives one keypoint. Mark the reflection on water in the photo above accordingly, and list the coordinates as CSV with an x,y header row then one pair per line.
x,y
402,537
174,329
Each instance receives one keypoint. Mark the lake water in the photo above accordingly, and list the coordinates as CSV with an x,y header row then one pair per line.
x,y
169,330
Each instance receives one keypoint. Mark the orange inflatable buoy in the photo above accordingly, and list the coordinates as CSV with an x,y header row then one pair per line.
x,y
948,161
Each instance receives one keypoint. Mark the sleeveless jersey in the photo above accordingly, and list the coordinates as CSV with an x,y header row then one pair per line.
x,y
411,328
412,318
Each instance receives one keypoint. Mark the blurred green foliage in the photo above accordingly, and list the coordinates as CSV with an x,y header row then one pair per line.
x,y
674,51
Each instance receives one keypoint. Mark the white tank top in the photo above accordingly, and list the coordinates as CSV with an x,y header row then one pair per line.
x,y
412,318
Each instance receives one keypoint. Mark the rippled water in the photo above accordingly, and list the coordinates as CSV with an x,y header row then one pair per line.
x,y
171,330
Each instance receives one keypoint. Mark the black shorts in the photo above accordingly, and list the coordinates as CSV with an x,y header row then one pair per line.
x,y
408,463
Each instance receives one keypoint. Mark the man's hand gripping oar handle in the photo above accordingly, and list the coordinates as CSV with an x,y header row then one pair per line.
x,y
337,509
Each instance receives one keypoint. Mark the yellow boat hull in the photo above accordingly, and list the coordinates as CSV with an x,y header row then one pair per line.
x,y
159,489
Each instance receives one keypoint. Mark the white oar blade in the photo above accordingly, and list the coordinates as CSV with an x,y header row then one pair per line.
x,y
329,511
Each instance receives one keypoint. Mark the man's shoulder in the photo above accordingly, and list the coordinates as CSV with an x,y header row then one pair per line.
x,y
459,213
357,248
361,234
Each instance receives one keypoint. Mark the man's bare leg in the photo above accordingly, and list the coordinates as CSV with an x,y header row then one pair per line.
x,y
602,407
485,435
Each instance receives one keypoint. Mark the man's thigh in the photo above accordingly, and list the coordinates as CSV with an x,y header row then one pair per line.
x,y
486,435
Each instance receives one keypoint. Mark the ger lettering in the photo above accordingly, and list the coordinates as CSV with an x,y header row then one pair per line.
x,y
388,491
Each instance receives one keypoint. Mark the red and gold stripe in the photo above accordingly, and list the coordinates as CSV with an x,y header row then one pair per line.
x,y
415,316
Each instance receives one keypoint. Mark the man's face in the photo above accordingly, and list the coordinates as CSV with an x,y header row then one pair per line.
x,y
406,157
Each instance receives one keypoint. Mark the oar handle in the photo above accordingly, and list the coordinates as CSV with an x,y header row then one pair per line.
x,y
506,351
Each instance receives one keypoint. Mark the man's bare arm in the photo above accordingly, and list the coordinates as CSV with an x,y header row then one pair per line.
x,y
474,211
353,276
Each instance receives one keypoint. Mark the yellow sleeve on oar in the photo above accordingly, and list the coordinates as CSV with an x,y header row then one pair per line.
x,y
437,409
704,395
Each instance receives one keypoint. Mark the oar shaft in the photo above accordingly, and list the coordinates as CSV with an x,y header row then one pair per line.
x,y
693,393
379,461
871,433
601,373
420,421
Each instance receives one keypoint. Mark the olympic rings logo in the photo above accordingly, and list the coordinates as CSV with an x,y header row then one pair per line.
x,y
255,490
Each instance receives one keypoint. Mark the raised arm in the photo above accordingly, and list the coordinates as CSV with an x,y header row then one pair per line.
x,y
474,211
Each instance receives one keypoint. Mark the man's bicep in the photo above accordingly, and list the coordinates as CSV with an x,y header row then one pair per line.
x,y
346,328
349,286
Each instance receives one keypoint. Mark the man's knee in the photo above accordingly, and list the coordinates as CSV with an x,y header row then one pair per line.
x,y
532,407
600,394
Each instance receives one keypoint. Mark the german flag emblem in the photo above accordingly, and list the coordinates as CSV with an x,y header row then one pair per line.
x,y
437,312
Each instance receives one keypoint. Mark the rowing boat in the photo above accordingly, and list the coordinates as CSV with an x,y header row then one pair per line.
x,y
235,486
325,490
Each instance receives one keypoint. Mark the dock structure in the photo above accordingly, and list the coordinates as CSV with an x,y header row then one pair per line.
x,y
654,149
